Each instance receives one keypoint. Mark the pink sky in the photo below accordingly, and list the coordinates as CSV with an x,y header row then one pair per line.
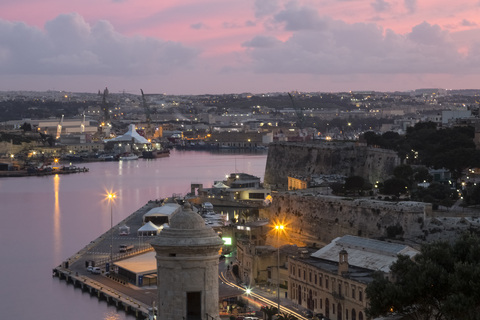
x,y
232,46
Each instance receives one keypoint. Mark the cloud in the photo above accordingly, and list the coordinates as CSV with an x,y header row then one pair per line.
x,y
360,48
250,23
467,23
303,18
450,26
70,46
265,7
376,18
410,5
199,25
380,5
428,34
262,42
229,25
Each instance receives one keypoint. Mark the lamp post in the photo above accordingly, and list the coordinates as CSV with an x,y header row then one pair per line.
x,y
278,228
111,197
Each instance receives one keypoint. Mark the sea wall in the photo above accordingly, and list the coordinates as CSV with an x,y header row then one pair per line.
x,y
344,158
321,219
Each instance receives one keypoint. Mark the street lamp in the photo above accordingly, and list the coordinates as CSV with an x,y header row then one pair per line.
x,y
279,228
111,196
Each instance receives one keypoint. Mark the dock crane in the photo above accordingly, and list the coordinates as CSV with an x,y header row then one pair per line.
x,y
299,112
148,130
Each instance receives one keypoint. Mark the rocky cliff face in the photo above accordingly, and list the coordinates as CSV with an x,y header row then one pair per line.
x,y
344,158
321,219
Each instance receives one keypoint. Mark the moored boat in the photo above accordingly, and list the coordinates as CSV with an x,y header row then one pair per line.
x,y
153,154
128,156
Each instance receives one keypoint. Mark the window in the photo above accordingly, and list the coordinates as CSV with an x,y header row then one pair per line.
x,y
320,282
321,306
333,308
293,270
326,283
310,277
346,314
346,289
299,272
304,275
339,288
315,278
360,315
361,299
256,195
353,293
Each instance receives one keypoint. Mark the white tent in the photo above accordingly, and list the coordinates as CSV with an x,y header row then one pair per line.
x,y
130,135
148,229
161,215
220,185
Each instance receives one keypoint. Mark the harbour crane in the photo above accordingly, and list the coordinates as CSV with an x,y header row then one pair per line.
x,y
148,130
59,128
299,112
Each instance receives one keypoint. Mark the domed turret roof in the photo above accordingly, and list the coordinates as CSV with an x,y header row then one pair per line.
x,y
187,219
187,229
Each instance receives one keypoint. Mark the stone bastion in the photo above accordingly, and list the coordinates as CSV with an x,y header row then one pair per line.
x,y
343,158
320,219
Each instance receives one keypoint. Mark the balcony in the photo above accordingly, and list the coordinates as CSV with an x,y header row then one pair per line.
x,y
338,296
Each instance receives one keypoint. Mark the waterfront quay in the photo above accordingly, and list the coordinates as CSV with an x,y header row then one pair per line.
x,y
26,173
111,288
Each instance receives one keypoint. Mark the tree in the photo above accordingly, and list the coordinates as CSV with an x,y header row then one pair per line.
x,y
395,186
26,127
337,187
403,171
354,183
269,311
442,283
421,174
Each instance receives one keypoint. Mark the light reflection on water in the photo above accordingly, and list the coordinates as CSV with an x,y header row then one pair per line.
x,y
111,315
57,243
48,219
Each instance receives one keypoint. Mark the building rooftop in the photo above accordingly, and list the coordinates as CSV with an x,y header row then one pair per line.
x,y
143,263
365,253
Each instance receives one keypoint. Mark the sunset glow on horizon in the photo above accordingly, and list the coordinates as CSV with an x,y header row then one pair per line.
x,y
227,46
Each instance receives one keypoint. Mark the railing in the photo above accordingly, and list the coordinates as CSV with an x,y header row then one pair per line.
x,y
210,317
118,256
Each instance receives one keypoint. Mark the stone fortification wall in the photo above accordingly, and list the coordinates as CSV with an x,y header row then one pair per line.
x,y
321,219
344,158
8,147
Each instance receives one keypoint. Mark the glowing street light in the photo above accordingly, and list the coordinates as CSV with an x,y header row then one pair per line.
x,y
111,198
278,228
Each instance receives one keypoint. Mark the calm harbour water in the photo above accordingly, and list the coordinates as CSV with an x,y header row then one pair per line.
x,y
47,219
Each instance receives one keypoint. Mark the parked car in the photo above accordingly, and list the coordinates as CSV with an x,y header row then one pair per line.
x,y
96,270
89,268
126,247
308,314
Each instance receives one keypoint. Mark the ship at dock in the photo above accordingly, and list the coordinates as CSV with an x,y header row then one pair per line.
x,y
156,153
238,190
